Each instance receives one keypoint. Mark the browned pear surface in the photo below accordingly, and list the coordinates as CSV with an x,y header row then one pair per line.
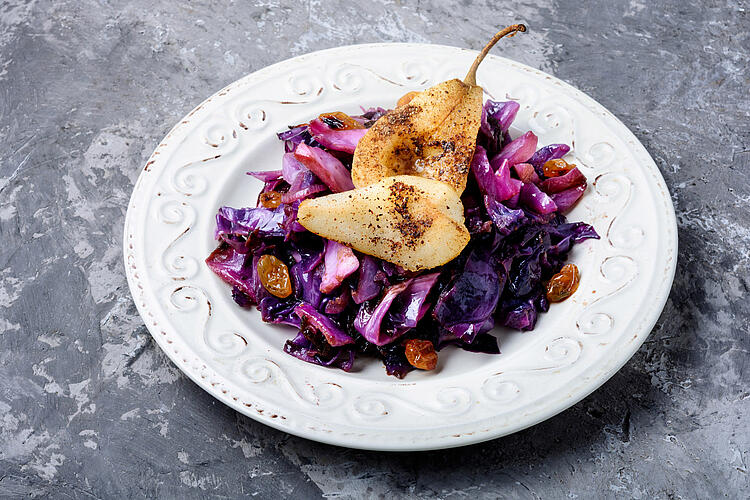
x,y
433,135
415,222
409,171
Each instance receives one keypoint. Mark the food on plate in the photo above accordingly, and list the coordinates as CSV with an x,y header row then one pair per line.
x,y
563,284
430,134
413,222
274,276
402,265
421,354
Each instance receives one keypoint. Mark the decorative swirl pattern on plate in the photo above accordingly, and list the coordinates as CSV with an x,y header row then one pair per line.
x,y
562,351
187,298
449,401
347,78
370,407
251,116
601,155
177,265
618,271
499,390
415,72
549,118
175,212
304,84
376,74
525,95
227,344
217,135
613,187
617,188
185,181
626,237
554,122
558,353
261,370
595,323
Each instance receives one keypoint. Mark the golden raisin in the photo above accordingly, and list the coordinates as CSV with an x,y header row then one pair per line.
x,y
406,98
274,276
421,354
340,121
557,167
270,199
563,284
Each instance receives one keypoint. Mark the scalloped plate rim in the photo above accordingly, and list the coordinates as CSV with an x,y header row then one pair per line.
x,y
646,324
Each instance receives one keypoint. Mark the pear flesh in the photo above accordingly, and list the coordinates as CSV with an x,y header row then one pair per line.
x,y
414,222
409,170
433,135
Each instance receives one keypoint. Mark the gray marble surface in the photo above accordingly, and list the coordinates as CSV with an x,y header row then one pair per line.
x,y
90,407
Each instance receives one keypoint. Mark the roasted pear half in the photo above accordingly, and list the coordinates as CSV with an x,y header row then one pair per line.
x,y
415,222
431,135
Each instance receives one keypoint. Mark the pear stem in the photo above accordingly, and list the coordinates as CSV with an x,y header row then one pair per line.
x,y
471,76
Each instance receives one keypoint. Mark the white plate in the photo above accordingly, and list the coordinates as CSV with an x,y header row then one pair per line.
x,y
201,164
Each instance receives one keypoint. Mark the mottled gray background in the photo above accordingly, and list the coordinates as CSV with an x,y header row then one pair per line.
x,y
90,407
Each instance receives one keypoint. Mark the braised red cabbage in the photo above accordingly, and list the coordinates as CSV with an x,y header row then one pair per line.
x,y
345,304
338,140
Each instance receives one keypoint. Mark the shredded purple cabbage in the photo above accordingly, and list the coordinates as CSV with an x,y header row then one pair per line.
x,y
519,150
327,167
340,262
337,140
345,304
368,286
